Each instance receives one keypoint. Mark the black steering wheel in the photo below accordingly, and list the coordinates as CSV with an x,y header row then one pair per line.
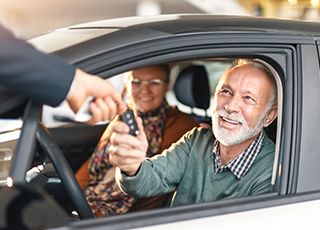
x,y
64,171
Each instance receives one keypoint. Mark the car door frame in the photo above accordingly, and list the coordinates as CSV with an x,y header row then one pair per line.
x,y
268,48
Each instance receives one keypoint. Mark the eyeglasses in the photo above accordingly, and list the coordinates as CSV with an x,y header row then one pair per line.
x,y
154,83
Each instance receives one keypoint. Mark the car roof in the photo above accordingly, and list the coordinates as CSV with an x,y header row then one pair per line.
x,y
188,23
94,38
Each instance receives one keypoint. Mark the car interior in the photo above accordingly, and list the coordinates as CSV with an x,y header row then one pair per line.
x,y
191,89
194,80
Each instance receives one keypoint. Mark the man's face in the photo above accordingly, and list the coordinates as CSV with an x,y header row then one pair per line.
x,y
241,99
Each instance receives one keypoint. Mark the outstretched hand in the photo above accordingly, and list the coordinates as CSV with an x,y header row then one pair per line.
x,y
107,103
126,151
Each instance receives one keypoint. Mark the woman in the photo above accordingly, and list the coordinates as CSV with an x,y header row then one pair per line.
x,y
163,125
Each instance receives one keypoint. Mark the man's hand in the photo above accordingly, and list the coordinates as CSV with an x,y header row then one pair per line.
x,y
126,151
107,103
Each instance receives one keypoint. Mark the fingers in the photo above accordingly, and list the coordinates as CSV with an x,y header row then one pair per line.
x,y
124,154
116,98
120,136
142,135
140,124
108,101
100,88
139,142
127,151
102,109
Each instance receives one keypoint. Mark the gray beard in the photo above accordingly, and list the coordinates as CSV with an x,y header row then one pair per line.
x,y
228,138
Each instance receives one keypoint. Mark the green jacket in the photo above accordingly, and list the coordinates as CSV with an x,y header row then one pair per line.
x,y
187,166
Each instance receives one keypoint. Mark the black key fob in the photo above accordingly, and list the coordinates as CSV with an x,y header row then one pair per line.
x,y
128,118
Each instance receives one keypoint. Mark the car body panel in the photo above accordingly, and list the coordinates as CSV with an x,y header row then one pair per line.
x,y
264,219
247,208
131,33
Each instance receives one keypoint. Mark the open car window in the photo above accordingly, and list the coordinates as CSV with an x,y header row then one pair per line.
x,y
215,66
9,134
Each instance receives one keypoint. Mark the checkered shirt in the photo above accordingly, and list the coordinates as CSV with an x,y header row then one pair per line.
x,y
239,165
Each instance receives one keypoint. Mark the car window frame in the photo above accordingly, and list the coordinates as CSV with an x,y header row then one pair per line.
x,y
267,52
224,51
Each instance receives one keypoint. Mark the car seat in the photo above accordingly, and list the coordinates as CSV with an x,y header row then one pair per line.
x,y
191,88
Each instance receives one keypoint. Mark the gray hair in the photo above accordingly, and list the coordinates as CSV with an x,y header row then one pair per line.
x,y
266,70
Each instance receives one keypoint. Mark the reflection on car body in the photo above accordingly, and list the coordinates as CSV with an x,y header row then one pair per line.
x,y
112,47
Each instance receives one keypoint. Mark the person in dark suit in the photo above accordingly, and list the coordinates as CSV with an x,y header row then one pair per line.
x,y
49,80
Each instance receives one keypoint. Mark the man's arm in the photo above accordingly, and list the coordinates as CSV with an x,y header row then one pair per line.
x,y
142,178
24,70
47,79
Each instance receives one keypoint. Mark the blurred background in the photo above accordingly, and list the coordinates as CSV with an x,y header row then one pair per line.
x,y
29,18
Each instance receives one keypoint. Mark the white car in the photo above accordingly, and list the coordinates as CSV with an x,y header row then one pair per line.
x,y
110,48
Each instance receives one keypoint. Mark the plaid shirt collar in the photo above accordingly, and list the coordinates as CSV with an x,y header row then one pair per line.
x,y
239,165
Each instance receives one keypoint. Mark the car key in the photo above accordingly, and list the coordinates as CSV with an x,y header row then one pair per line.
x,y
128,118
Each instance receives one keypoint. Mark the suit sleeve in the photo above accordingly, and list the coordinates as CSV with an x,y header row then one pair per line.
x,y
26,71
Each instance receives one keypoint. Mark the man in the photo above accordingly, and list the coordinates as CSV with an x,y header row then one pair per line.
x,y
233,159
49,80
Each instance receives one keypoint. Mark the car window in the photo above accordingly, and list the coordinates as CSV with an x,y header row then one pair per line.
x,y
214,69
9,134
62,115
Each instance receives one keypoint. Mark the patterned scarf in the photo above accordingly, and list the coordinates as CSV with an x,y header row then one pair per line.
x,y
153,123
103,194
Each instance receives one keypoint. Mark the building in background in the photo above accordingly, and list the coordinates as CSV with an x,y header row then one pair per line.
x,y
33,17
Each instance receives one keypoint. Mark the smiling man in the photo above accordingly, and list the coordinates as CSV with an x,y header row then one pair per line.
x,y
233,159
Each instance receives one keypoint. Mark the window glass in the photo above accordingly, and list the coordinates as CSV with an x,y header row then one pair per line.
x,y
214,69
9,135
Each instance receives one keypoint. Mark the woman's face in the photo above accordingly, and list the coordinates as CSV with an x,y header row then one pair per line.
x,y
149,87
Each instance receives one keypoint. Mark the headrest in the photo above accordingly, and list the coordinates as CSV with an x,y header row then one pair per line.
x,y
192,87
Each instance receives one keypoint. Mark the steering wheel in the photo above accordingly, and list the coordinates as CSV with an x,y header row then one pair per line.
x,y
64,171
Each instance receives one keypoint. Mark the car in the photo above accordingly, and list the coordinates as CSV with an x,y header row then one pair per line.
x,y
38,188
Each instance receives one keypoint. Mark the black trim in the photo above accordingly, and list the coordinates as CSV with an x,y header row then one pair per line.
x,y
297,119
194,211
105,67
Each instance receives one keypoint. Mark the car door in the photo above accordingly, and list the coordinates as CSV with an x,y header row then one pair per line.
x,y
283,53
77,141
